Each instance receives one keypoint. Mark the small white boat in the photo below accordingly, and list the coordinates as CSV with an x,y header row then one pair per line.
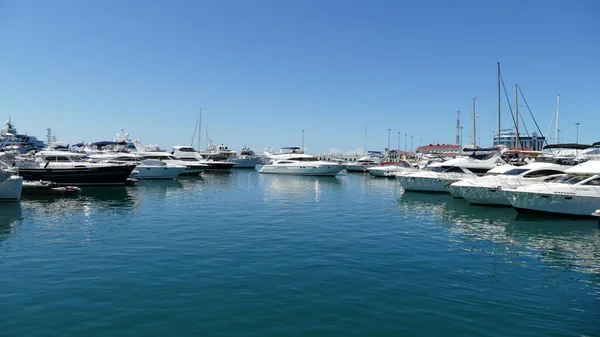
x,y
156,169
246,159
372,159
292,160
391,169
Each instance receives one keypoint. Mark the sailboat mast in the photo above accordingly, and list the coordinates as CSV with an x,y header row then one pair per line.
x,y
499,124
557,111
199,129
366,126
517,142
474,124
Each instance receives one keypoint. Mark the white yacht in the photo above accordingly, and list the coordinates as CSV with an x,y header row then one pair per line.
x,y
192,167
486,190
10,139
245,159
390,169
372,159
156,169
189,155
293,160
440,175
11,185
145,168
576,193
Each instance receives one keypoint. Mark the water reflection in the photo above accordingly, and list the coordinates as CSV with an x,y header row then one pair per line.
x,y
10,216
570,244
289,188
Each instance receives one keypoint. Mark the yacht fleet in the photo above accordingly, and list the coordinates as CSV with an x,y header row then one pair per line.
x,y
564,180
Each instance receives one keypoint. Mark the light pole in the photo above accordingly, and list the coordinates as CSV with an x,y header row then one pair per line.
x,y
558,136
389,139
302,140
398,140
461,142
405,141
577,139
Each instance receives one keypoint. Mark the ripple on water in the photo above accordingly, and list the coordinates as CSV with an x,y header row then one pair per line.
x,y
255,255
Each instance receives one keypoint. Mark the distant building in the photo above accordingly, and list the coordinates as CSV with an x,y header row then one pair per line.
x,y
442,149
508,138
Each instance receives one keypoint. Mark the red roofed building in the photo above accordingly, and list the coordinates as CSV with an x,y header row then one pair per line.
x,y
443,149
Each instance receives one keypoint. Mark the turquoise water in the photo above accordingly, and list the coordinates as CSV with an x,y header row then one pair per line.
x,y
259,255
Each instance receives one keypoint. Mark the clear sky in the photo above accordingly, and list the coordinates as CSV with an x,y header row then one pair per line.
x,y
264,70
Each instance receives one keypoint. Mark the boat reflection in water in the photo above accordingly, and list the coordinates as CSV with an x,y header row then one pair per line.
x,y
563,243
288,189
10,217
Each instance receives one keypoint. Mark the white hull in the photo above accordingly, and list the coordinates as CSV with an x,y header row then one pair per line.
x,y
484,195
156,172
244,162
426,182
11,188
527,202
304,169
359,167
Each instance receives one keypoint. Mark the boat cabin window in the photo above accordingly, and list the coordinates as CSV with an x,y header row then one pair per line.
x,y
186,149
434,168
58,159
481,156
542,173
571,180
514,172
593,182
303,159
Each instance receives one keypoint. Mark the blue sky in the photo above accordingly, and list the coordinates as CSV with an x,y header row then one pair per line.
x,y
263,70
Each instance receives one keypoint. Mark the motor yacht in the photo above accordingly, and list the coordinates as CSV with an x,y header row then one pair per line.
x,y
189,155
67,168
362,164
437,176
245,159
11,140
576,193
293,160
11,184
145,168
391,169
486,190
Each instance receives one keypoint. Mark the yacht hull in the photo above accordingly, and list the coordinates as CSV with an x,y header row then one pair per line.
x,y
359,168
304,170
11,188
156,172
244,162
550,203
219,166
484,195
80,176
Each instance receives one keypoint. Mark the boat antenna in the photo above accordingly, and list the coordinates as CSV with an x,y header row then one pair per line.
x,y
199,128
557,111
195,129
499,124
517,142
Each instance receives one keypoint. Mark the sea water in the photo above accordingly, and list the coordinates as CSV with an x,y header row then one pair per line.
x,y
245,254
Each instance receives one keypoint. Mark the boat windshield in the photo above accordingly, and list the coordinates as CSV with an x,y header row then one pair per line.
x,y
434,168
302,159
571,180
514,172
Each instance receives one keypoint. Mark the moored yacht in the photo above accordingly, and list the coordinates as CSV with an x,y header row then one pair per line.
x,y
486,190
188,154
67,168
11,185
439,175
245,159
362,164
11,140
293,160
575,193
390,169
192,167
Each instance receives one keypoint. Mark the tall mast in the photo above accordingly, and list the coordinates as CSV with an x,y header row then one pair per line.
x,y
458,127
199,128
517,143
474,124
498,134
557,111
366,126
